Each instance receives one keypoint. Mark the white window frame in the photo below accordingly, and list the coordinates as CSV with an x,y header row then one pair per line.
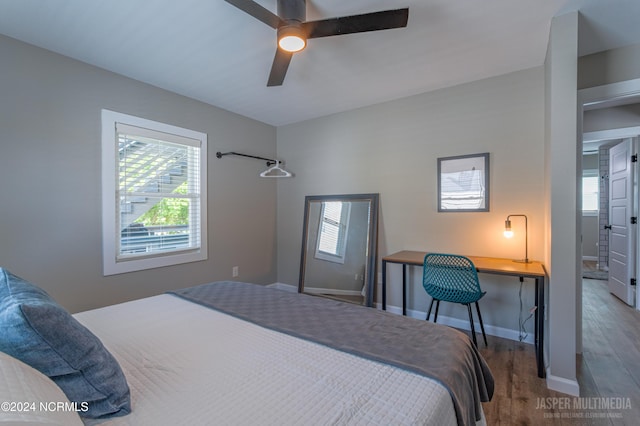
x,y
111,264
590,174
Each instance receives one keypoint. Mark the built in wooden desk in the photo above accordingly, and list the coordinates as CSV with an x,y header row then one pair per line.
x,y
485,265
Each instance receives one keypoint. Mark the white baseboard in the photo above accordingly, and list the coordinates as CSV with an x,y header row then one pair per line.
x,y
462,324
312,290
334,292
285,287
560,384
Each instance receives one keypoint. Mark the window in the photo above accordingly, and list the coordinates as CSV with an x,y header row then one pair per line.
x,y
333,231
153,194
590,192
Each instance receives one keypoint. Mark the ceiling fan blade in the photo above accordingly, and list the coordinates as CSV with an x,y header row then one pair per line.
x,y
258,12
374,21
279,68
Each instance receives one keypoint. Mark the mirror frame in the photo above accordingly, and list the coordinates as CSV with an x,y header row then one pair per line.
x,y
372,244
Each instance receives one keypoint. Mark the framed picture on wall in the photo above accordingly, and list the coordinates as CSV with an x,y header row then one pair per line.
x,y
463,183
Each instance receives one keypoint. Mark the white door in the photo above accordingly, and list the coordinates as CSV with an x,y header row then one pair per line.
x,y
622,232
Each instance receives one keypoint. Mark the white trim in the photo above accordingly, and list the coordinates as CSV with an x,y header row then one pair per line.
x,y
590,258
560,384
312,290
463,324
332,291
591,97
491,330
284,287
604,135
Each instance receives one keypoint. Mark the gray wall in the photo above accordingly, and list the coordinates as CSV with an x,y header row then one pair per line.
x,y
611,118
590,237
50,220
392,149
590,232
608,67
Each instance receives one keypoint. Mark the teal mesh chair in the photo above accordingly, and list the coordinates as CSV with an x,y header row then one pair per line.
x,y
453,278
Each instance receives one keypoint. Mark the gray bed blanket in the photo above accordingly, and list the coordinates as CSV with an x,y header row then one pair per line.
x,y
435,351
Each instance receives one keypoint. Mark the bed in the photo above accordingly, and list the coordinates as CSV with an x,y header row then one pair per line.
x,y
237,353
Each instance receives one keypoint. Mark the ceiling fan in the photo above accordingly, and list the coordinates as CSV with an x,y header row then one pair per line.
x,y
294,30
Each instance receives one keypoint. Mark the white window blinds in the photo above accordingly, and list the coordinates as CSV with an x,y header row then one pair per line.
x,y
158,192
333,231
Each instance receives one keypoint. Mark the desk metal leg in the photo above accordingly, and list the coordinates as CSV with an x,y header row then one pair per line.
x,y
384,285
539,326
404,289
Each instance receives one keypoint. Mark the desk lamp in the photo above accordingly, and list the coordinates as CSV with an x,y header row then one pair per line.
x,y
509,233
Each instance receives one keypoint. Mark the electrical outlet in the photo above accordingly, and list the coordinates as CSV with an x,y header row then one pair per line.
x,y
235,272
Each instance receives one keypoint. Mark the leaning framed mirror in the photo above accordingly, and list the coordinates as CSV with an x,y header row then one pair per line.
x,y
339,247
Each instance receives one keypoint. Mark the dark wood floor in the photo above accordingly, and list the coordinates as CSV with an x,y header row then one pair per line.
x,y
608,371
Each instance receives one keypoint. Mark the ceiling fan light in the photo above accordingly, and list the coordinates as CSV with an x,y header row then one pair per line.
x,y
291,43
291,39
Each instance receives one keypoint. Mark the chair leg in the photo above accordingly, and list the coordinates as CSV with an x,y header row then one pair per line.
x,y
481,324
473,328
429,313
435,318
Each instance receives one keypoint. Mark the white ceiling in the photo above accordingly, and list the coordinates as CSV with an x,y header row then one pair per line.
x,y
211,51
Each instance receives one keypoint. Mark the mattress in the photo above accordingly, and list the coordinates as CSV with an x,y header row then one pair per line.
x,y
188,364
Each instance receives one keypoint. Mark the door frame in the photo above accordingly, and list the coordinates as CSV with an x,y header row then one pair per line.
x,y
623,133
594,98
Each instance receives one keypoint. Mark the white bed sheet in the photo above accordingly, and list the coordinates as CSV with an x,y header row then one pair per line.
x,y
187,364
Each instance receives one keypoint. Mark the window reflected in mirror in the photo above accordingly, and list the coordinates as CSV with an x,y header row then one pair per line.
x,y
333,231
339,247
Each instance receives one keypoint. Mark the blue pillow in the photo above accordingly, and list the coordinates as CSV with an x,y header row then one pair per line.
x,y
42,334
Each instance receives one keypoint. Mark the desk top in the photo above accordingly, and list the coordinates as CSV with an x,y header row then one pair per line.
x,y
492,265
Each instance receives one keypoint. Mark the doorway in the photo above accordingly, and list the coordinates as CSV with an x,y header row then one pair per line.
x,y
608,240
595,209
603,100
